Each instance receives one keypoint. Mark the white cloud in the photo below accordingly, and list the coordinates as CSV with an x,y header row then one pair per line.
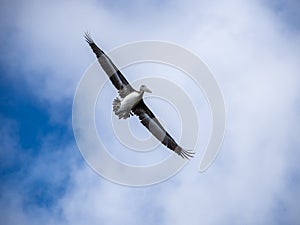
x,y
253,58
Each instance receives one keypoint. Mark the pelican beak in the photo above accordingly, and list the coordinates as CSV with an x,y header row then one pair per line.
x,y
147,90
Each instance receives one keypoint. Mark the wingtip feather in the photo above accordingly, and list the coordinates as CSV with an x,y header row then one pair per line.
x,y
88,37
185,154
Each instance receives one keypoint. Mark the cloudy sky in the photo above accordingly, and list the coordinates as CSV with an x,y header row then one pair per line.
x,y
252,48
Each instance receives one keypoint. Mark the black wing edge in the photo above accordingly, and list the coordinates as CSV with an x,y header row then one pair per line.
x,y
116,77
144,114
92,44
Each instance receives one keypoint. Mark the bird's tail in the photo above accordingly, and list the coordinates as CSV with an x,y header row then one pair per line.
x,y
122,114
116,104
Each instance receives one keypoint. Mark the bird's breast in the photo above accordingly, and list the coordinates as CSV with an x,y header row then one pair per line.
x,y
130,100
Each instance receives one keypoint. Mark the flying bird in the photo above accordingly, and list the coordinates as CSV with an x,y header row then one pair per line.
x,y
130,102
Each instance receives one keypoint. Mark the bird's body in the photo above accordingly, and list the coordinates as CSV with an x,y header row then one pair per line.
x,y
130,102
123,106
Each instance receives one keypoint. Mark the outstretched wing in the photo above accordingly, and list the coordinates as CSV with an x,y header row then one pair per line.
x,y
149,120
114,74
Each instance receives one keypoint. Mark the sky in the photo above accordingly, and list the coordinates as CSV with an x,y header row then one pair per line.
x,y
251,47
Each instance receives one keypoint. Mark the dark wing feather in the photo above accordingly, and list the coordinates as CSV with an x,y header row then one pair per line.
x,y
114,74
149,120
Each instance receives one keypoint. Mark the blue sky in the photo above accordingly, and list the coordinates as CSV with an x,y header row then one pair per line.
x,y
252,47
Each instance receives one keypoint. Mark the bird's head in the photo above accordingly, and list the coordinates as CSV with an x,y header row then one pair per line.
x,y
144,88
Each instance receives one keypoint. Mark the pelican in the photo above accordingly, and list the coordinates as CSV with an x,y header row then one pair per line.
x,y
130,102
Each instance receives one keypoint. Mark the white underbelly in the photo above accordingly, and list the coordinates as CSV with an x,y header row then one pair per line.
x,y
129,101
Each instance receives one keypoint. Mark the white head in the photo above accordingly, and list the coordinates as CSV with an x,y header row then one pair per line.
x,y
144,88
